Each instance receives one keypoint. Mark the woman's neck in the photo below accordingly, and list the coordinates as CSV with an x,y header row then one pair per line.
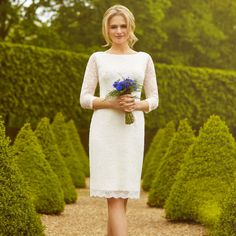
x,y
120,49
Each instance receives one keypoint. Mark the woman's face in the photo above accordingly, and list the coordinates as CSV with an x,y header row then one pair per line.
x,y
118,30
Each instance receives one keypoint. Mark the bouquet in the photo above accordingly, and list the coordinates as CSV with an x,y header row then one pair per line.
x,y
125,86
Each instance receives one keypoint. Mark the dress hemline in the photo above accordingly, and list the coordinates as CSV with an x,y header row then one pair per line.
x,y
115,194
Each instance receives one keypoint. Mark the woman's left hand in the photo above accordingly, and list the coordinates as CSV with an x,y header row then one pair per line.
x,y
128,102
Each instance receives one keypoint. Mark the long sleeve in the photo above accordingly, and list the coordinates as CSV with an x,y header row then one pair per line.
x,y
150,86
89,85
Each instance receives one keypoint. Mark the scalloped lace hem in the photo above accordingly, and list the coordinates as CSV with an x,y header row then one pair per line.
x,y
115,194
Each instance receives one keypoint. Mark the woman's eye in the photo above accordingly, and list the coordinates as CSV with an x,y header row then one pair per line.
x,y
123,26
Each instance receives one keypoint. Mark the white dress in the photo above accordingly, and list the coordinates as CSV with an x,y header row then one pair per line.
x,y
116,149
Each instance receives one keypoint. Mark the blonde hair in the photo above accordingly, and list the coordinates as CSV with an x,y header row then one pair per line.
x,y
129,17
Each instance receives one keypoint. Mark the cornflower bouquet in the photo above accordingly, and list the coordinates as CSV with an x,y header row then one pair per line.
x,y
125,86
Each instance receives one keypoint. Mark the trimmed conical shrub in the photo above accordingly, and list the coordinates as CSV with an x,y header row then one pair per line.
x,y
38,174
78,147
65,147
226,226
151,149
204,177
17,212
158,153
47,141
170,165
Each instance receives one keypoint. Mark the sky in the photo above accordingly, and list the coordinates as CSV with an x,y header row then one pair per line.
x,y
42,14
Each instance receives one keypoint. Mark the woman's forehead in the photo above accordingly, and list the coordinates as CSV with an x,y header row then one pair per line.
x,y
117,19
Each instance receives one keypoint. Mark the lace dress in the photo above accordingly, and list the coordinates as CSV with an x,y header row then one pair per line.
x,y
115,148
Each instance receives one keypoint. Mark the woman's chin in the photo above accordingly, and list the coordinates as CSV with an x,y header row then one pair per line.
x,y
120,42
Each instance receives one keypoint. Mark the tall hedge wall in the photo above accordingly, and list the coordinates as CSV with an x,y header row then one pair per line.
x,y
36,82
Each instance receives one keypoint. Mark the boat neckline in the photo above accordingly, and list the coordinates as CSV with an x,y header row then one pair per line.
x,y
121,54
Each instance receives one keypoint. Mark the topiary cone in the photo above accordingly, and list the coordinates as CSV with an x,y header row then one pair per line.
x,y
17,211
170,165
47,141
158,153
205,175
155,142
226,225
42,181
66,149
78,147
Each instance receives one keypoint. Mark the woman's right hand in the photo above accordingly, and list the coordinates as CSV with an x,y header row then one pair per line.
x,y
123,103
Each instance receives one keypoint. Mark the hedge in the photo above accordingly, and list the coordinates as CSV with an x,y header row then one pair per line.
x,y
170,165
157,156
152,147
78,147
47,141
66,149
205,175
37,82
43,183
17,211
226,226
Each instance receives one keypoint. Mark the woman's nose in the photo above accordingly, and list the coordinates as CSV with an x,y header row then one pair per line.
x,y
118,29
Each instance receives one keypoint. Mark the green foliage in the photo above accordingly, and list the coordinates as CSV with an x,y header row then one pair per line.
x,y
40,82
144,11
195,94
157,155
78,147
204,177
194,38
43,82
43,182
199,33
65,147
170,165
47,141
17,212
226,226
155,141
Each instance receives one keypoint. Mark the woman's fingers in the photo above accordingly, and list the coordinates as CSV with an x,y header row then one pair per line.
x,y
126,102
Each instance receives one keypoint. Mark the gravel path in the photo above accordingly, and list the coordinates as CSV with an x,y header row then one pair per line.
x,y
88,216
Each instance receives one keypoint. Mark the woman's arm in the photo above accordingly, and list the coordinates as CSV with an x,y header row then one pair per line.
x,y
151,92
150,86
89,85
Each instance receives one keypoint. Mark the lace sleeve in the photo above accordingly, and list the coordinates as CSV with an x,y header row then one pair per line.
x,y
89,84
150,86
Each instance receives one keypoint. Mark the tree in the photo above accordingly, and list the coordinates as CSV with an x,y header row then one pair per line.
x,y
193,36
72,18
78,147
204,178
157,155
227,221
170,165
47,141
148,157
17,211
43,183
9,15
65,147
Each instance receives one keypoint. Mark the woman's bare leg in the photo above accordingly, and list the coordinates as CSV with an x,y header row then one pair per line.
x,y
109,230
117,223
125,203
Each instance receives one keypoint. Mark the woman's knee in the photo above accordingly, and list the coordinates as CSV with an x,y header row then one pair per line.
x,y
115,202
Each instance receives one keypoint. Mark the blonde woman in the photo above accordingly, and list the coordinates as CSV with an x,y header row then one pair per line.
x,y
115,148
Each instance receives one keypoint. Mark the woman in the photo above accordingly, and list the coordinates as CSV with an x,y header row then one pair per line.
x,y
115,148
